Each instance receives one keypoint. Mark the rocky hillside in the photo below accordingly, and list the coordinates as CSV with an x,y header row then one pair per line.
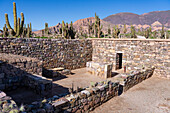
x,y
145,19
154,19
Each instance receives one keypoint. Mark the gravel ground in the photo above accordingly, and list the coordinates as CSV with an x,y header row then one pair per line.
x,y
150,96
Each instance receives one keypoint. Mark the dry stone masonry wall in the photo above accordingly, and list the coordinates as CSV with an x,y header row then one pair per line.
x,y
17,71
70,54
87,99
136,54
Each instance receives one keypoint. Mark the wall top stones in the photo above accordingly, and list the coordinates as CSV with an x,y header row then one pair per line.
x,y
157,40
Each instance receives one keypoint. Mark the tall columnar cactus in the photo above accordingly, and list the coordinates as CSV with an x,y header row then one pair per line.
x,y
66,35
46,29
18,27
133,32
22,23
15,17
28,31
7,22
71,31
108,30
5,31
97,27
30,28
24,31
63,28
162,33
125,29
116,31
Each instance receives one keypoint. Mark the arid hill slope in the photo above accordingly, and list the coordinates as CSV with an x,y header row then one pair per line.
x,y
154,19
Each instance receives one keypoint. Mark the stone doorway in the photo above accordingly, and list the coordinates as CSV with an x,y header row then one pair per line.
x,y
118,61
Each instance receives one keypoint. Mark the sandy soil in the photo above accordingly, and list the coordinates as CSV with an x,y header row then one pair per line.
x,y
80,78
150,96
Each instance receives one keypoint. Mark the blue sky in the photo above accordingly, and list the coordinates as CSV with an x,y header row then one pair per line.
x,y
53,11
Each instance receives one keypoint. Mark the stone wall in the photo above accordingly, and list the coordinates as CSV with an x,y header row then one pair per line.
x,y
136,78
13,68
70,54
17,71
136,53
87,99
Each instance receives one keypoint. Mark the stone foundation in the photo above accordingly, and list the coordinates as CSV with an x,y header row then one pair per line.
x,y
87,99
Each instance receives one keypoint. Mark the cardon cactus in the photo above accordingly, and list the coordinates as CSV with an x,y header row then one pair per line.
x,y
22,23
15,16
5,31
7,22
46,29
28,31
18,26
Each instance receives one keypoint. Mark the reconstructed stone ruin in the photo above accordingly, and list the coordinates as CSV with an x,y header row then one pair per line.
x,y
16,71
33,57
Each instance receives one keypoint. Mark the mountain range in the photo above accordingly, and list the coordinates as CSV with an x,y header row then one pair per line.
x,y
154,19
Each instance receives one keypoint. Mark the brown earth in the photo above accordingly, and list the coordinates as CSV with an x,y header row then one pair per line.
x,y
150,96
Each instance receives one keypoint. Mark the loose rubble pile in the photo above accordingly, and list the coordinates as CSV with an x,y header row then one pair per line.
x,y
7,105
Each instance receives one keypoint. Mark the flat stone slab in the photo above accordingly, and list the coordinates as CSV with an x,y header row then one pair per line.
x,y
60,102
57,69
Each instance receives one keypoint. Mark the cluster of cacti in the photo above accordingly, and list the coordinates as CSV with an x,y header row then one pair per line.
x,y
133,32
97,27
18,25
66,31
116,31
72,33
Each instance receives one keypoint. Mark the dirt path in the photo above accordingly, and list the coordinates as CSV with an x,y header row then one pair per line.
x,y
150,96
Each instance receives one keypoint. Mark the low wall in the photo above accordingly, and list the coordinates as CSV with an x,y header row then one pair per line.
x,y
87,99
136,78
69,54
136,53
